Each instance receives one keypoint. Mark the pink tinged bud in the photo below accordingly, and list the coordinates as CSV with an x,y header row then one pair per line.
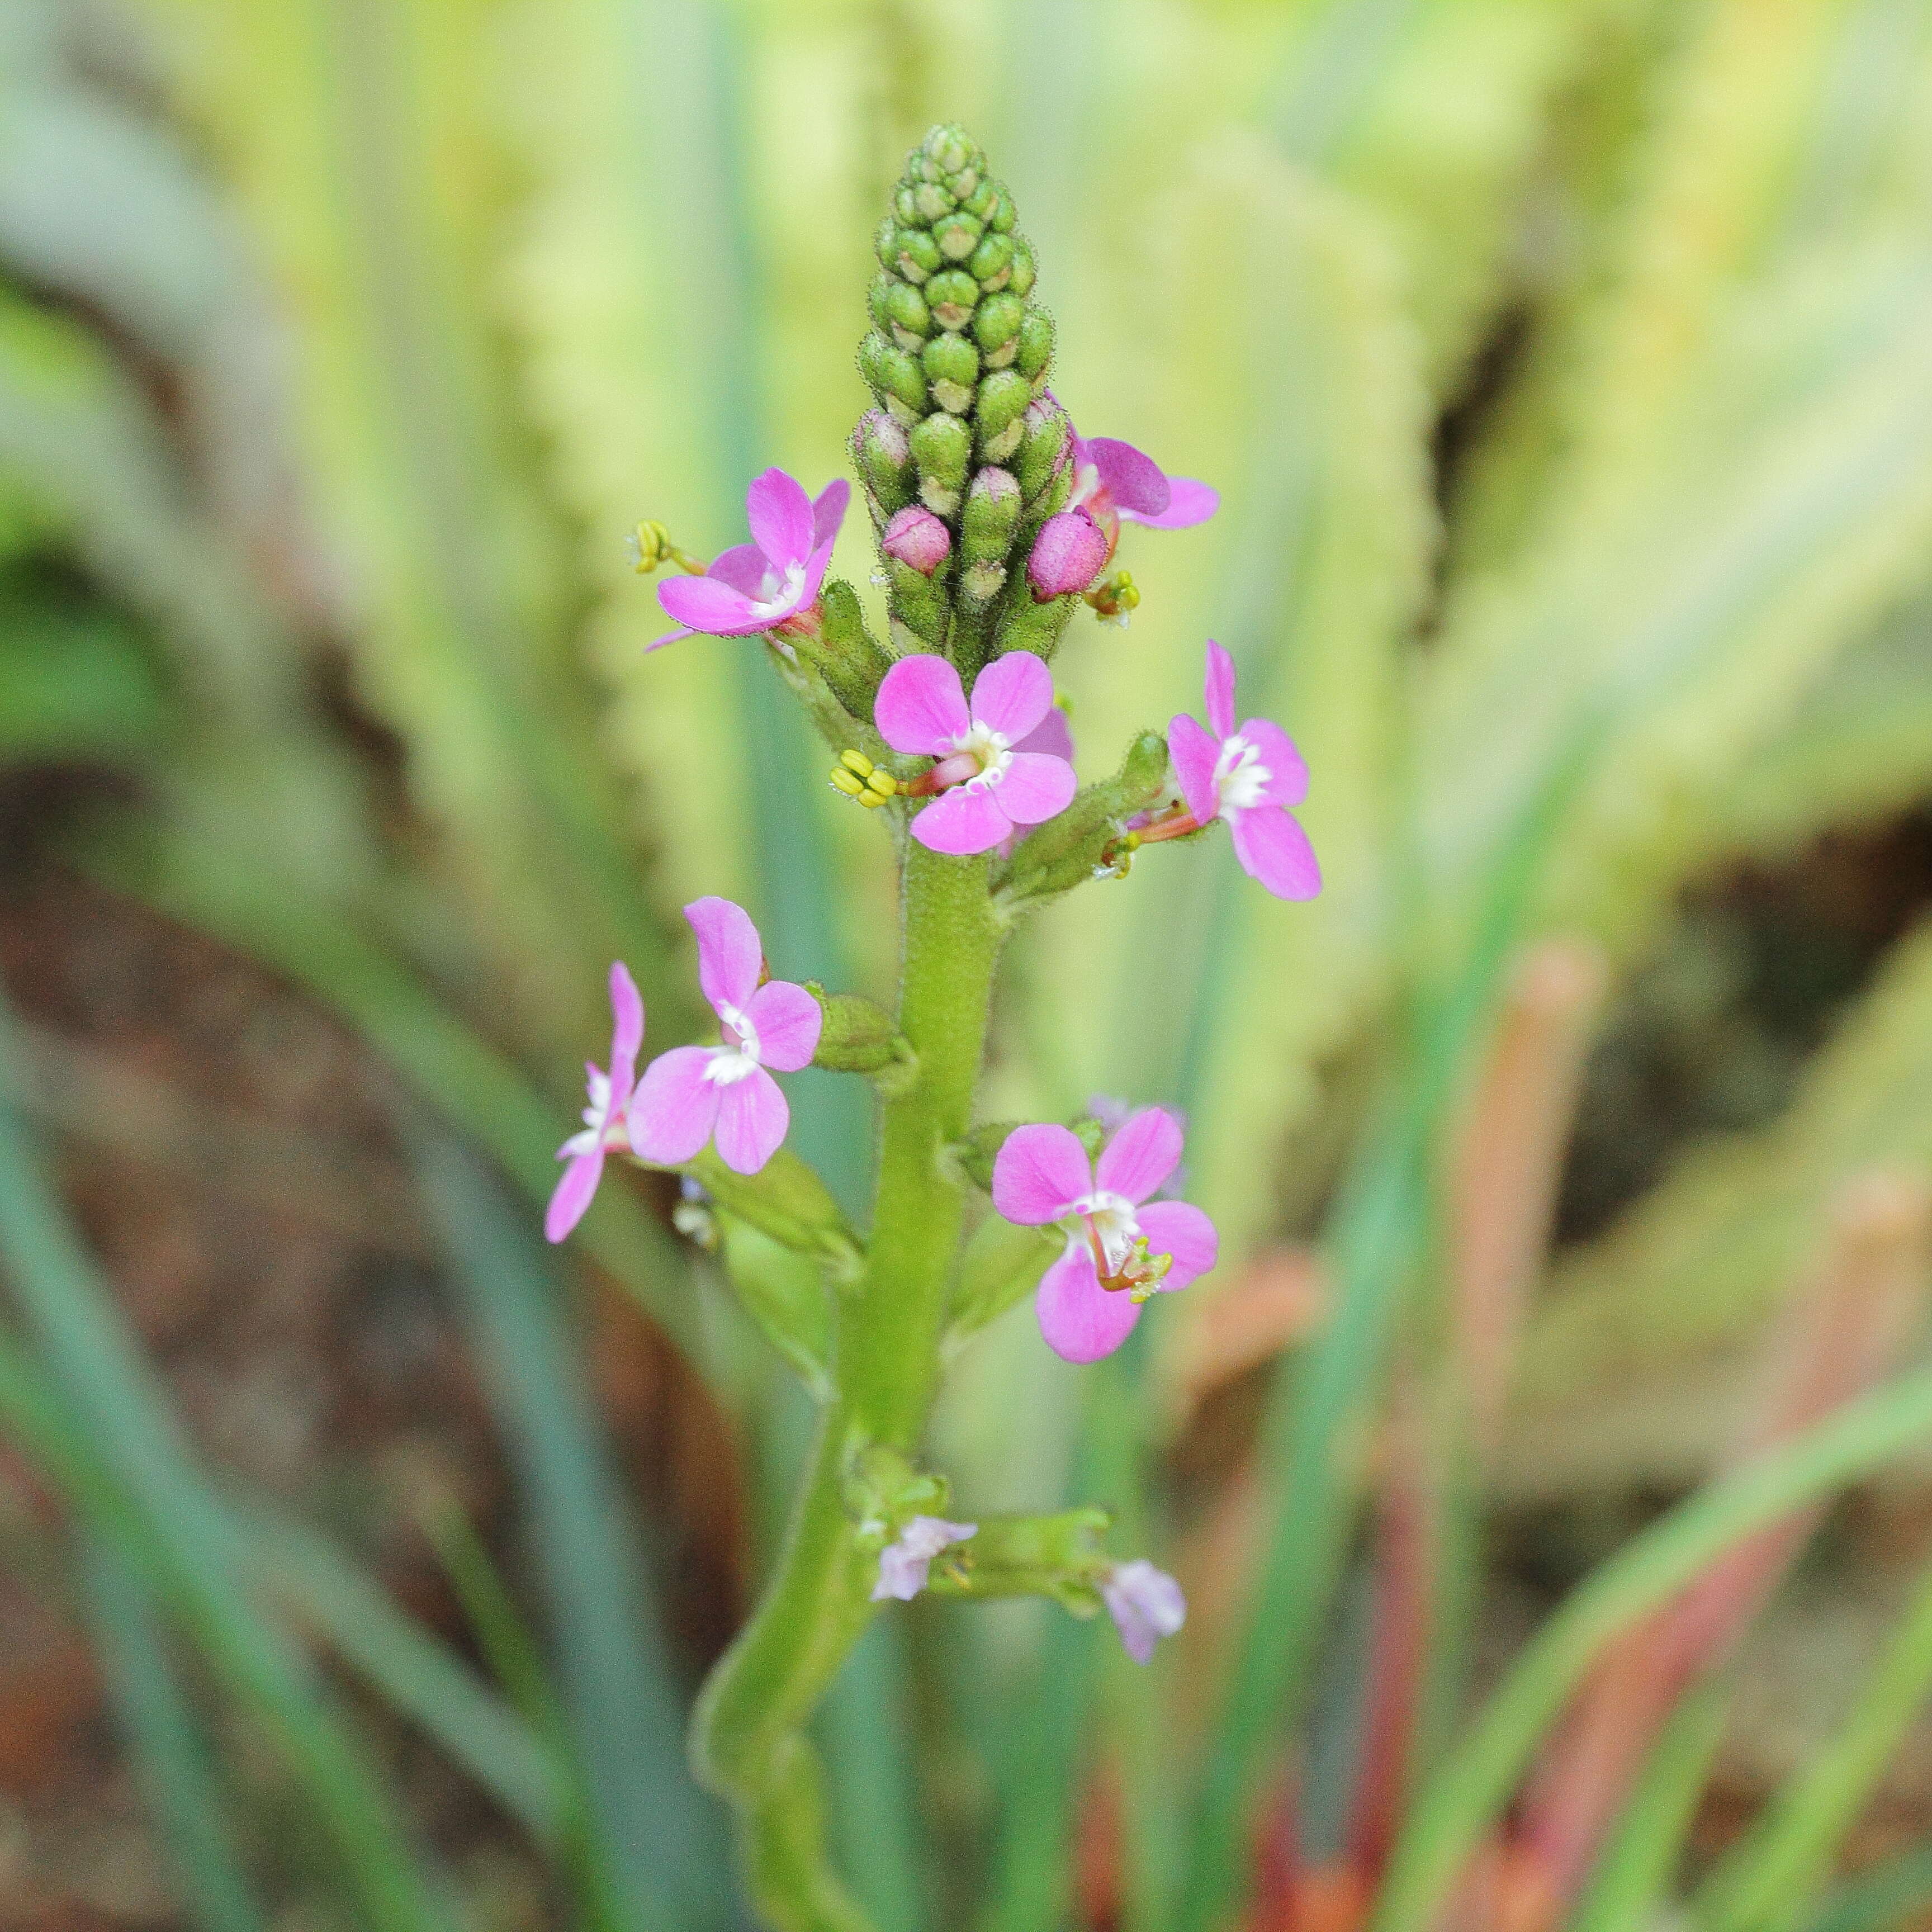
x,y
1070,551
1146,1605
903,1564
917,537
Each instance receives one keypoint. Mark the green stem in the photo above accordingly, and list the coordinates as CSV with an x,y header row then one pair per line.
x,y
748,1737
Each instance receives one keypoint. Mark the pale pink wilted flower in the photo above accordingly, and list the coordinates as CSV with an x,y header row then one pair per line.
x,y
903,1564
692,1094
755,586
1070,551
986,785
1115,484
1145,1603
1121,1244
917,537
604,1122
1250,778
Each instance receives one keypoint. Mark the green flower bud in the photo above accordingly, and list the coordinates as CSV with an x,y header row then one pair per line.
x,y
930,201
1045,445
1069,851
844,651
977,1152
884,457
950,146
894,377
919,607
1026,625
964,184
910,320
992,261
906,207
942,446
996,327
1036,342
992,514
957,235
998,413
952,366
953,295
1001,216
884,243
982,199
915,254
1021,282
859,1037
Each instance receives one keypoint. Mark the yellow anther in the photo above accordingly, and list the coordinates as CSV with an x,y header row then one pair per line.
x,y
857,777
843,781
1114,597
856,761
650,545
883,783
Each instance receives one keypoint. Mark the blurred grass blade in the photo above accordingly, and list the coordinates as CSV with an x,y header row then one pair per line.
x,y
145,1495
1632,1876
170,1750
1765,1881
327,1591
662,1836
1466,1795
1881,1899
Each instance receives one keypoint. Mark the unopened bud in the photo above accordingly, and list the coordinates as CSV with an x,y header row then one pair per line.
x,y
859,1037
893,376
952,365
1068,850
1069,552
950,145
884,456
917,537
998,413
910,320
942,445
843,651
1036,344
919,607
915,254
1022,279
957,235
992,265
992,514
953,295
996,327
1045,445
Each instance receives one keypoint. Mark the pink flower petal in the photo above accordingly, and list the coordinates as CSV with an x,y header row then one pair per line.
x,y
1134,480
573,1195
780,515
1034,789
1189,503
1220,682
1273,848
669,637
1081,1320
921,706
744,567
1194,754
675,1107
1141,1156
704,604
729,955
1013,694
1178,1228
1052,737
815,575
966,820
1146,1605
752,1117
828,512
1039,1174
627,1034
788,1020
1287,770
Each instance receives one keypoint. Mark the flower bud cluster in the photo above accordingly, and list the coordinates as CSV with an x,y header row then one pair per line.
x,y
965,452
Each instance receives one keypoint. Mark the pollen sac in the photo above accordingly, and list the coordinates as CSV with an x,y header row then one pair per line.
x,y
958,352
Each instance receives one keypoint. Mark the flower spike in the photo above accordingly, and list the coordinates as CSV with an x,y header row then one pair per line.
x,y
606,1128
761,585
695,1093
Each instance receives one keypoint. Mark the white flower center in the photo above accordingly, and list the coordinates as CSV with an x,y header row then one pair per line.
x,y
992,749
1111,1216
1086,485
1241,778
780,595
738,1058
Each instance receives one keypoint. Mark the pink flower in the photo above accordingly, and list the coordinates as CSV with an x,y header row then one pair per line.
x,y
1070,551
1119,1250
903,1565
604,1119
1249,777
1117,484
1052,736
692,1092
757,585
986,785
915,537
1145,1603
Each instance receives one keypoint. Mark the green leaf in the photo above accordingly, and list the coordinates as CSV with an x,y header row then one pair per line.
x,y
786,1294
999,1264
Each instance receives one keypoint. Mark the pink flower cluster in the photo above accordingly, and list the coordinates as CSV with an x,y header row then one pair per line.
x,y
694,1096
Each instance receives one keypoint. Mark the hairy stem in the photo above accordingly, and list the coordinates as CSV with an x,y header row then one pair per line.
x,y
748,1741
